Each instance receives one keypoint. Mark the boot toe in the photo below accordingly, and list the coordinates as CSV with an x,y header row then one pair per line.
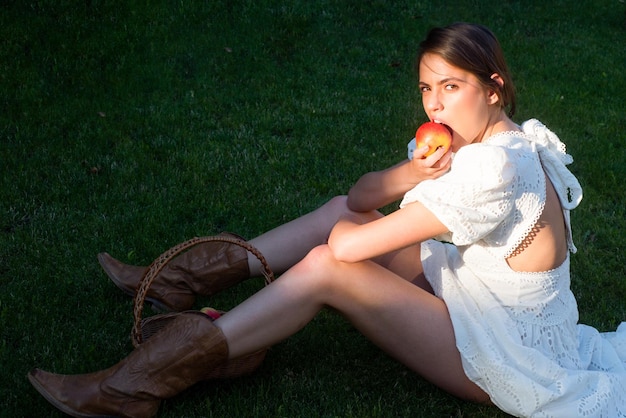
x,y
125,277
51,387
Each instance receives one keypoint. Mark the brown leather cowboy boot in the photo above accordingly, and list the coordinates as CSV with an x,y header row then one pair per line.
x,y
204,269
181,354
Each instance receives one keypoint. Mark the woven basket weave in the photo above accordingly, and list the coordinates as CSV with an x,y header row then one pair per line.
x,y
144,328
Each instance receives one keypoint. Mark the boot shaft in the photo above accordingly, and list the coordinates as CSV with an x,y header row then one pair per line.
x,y
179,355
204,269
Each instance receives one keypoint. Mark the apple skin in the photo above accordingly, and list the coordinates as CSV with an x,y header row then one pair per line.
x,y
434,135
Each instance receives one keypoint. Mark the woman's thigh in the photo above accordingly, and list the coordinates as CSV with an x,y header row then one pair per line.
x,y
409,323
406,263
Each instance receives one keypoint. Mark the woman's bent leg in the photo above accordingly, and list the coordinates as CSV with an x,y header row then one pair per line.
x,y
407,322
287,244
210,267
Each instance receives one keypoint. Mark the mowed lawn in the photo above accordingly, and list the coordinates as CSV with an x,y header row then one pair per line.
x,y
130,126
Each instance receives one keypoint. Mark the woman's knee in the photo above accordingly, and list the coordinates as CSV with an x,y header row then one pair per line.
x,y
336,206
319,259
321,264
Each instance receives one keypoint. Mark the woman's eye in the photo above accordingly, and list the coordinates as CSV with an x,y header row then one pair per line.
x,y
424,89
450,86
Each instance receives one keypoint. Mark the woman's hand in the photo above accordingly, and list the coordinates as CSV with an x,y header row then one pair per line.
x,y
431,167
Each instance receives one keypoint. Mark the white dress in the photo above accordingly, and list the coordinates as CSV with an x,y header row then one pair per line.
x,y
517,332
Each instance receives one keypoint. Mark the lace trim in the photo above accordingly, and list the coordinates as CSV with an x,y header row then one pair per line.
x,y
507,134
527,234
525,242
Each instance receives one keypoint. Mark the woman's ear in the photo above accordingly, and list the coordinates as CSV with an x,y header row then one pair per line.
x,y
493,95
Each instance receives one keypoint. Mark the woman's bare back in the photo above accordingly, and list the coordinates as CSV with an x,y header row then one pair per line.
x,y
545,247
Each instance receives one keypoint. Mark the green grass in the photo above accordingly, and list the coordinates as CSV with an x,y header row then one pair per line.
x,y
131,126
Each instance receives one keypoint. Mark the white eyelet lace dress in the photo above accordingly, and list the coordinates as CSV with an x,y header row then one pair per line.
x,y
517,332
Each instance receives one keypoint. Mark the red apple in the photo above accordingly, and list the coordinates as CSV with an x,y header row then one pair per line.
x,y
434,135
210,312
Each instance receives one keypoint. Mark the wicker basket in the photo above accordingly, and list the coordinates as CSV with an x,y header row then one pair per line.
x,y
144,328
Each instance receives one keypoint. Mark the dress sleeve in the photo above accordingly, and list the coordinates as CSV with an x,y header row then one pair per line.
x,y
474,197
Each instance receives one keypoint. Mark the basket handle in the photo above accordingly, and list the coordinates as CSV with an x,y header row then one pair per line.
x,y
160,262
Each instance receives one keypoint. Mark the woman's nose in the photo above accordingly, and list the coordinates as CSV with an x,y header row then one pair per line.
x,y
433,103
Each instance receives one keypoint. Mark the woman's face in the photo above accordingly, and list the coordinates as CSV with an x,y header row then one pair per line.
x,y
456,98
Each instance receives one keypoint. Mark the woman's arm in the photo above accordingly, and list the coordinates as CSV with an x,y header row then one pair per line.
x,y
379,188
354,239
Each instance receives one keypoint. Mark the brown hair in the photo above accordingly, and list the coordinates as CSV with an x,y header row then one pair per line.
x,y
473,48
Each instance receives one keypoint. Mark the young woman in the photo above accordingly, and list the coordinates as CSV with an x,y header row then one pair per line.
x,y
467,284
